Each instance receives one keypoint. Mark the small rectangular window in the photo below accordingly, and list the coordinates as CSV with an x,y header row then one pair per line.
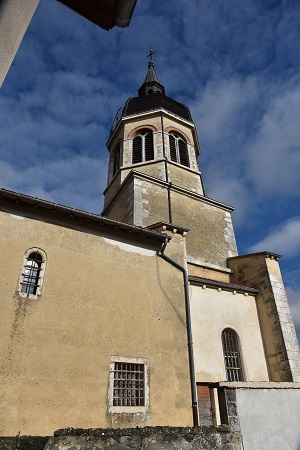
x,y
128,384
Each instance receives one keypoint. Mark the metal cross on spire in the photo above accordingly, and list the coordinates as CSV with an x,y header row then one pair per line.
x,y
150,54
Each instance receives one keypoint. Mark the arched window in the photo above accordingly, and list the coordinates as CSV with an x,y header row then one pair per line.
x,y
232,356
178,149
33,272
117,158
142,146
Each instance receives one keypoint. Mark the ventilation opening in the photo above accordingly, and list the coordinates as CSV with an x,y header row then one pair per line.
x,y
173,149
149,149
137,151
183,154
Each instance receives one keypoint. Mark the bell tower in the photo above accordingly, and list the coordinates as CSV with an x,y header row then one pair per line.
x,y
153,174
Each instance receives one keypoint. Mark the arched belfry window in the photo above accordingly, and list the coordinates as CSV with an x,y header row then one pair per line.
x,y
32,274
117,159
232,355
178,149
142,146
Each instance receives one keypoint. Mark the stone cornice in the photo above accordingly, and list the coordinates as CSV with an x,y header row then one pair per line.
x,y
222,285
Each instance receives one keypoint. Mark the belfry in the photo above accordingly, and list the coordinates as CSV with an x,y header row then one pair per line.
x,y
154,176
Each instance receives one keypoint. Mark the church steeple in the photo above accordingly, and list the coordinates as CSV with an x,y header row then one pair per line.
x,y
151,84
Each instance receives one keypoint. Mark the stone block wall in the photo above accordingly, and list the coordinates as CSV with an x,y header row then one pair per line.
x,y
156,438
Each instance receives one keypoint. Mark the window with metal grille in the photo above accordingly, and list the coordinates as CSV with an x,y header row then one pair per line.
x,y
232,356
116,165
178,149
31,274
128,388
142,147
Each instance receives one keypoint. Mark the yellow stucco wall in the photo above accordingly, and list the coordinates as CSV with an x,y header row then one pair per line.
x,y
101,297
212,311
211,238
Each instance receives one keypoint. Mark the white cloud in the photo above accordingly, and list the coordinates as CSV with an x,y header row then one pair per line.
x,y
273,158
284,239
77,181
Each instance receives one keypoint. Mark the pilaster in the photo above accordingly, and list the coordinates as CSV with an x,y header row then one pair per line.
x,y
261,270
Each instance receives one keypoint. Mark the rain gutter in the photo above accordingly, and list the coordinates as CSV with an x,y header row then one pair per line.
x,y
189,330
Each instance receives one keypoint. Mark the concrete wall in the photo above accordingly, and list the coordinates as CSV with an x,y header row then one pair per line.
x,y
15,16
56,350
269,418
214,310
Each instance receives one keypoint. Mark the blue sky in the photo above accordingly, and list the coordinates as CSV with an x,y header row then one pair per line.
x,y
235,65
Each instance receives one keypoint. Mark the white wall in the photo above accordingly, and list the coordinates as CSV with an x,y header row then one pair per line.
x,y
269,418
212,311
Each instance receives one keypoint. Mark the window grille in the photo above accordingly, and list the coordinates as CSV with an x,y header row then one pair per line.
x,y
116,165
178,150
129,380
142,147
31,274
232,357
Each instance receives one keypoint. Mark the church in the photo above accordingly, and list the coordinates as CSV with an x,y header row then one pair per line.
x,y
145,315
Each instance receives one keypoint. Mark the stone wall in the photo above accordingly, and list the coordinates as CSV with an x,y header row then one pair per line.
x,y
199,438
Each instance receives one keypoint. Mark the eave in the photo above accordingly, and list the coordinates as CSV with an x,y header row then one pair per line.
x,y
76,216
104,13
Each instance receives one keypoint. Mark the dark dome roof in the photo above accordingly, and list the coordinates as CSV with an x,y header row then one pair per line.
x,y
150,102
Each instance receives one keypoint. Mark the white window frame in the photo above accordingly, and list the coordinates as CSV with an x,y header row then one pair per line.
x,y
128,409
41,273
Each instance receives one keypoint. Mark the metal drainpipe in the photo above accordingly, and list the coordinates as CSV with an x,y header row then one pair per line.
x,y
189,331
166,168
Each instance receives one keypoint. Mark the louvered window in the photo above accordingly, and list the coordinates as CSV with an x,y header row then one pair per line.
x,y
232,357
173,152
178,150
142,147
116,166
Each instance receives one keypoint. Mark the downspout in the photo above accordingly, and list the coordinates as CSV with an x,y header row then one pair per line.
x,y
166,168
189,330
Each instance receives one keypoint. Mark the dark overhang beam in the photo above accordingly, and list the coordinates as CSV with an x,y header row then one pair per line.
x,y
104,13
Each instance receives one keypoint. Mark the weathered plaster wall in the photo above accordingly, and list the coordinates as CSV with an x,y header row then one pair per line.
x,y
15,16
112,189
155,169
280,341
196,270
211,236
269,418
56,350
183,177
122,207
214,310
